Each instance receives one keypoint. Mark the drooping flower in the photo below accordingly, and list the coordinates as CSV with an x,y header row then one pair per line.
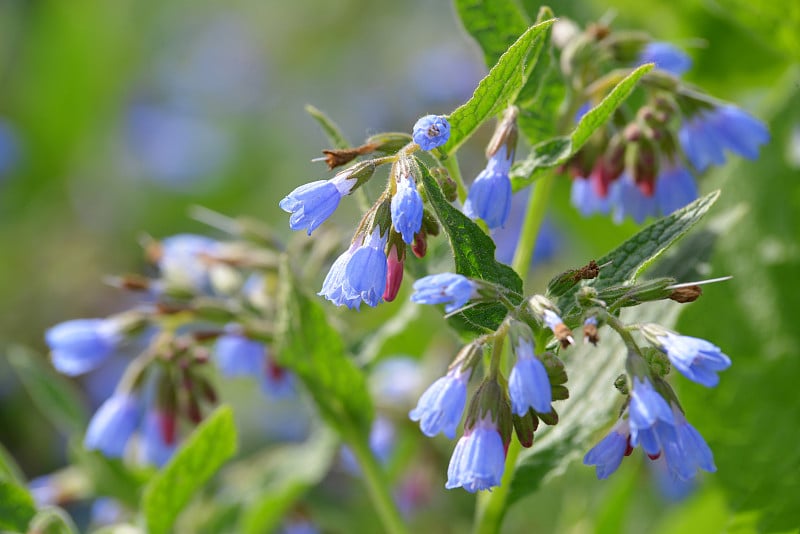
x,y
705,136
689,451
628,200
333,288
666,56
585,196
607,455
365,272
276,382
489,197
479,458
675,188
697,359
407,208
182,260
113,424
156,446
651,420
431,131
80,345
528,383
237,356
454,290
311,204
440,408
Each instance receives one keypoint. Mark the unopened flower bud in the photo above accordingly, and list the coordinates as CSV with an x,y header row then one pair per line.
x,y
388,142
394,272
550,419
420,246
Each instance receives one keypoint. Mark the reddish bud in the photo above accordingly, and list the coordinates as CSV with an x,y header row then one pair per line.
x,y
420,246
167,423
394,274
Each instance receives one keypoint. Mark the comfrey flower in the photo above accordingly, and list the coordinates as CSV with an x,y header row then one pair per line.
x,y
666,56
157,444
479,458
276,381
489,197
431,131
311,204
440,408
237,355
113,424
454,290
180,259
528,383
80,345
628,200
674,188
607,455
359,274
704,137
697,359
651,420
407,208
689,451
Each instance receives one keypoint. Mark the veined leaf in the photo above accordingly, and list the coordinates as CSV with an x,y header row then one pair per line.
x,y
499,88
558,150
473,252
209,446
313,350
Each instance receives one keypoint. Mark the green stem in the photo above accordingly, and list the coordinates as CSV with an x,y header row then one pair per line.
x,y
492,506
451,164
534,215
377,485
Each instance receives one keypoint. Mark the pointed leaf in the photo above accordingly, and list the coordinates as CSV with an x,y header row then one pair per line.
x,y
495,24
499,88
332,131
209,446
313,350
473,252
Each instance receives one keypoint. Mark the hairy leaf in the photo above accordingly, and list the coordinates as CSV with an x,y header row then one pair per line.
x,y
496,90
310,347
209,446
473,252
495,24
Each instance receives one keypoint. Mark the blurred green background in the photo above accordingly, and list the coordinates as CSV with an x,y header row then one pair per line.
x,y
116,117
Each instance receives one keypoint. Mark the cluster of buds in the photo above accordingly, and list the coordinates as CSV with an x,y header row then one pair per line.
x,y
642,162
211,302
499,406
371,269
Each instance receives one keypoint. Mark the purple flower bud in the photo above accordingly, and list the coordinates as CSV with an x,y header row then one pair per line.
x,y
607,455
697,359
705,136
431,131
489,197
311,204
666,56
237,355
444,288
80,345
478,460
407,208
112,425
651,420
528,383
440,408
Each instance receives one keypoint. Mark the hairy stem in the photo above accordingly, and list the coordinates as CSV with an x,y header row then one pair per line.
x,y
534,215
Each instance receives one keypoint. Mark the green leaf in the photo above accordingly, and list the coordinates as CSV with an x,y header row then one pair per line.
x,y
209,446
627,261
313,350
473,252
499,88
286,474
8,467
16,506
592,404
495,24
56,397
110,476
53,520
335,136
554,152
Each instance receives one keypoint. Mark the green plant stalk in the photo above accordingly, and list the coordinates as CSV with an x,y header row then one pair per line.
x,y
377,485
492,506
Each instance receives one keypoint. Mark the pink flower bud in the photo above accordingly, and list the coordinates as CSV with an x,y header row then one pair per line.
x,y
394,275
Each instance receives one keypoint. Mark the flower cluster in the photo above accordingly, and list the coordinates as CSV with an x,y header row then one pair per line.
x,y
371,269
185,322
643,162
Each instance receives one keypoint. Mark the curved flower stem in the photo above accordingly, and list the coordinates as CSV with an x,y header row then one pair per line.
x,y
534,215
492,506
451,164
376,483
